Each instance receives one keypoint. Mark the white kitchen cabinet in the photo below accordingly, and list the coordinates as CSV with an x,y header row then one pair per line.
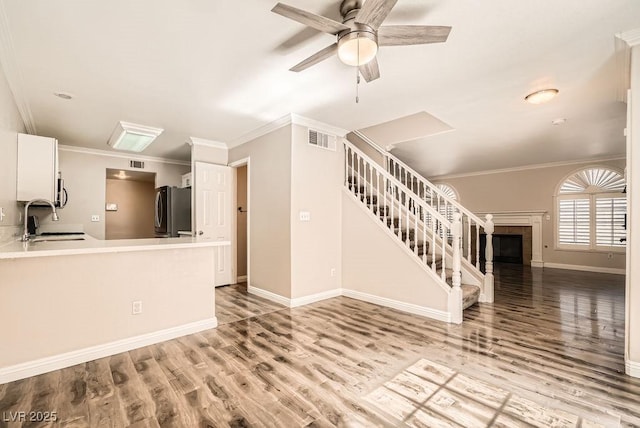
x,y
37,167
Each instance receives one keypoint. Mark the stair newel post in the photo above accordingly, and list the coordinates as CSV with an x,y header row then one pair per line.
x,y
354,178
378,198
384,192
468,240
443,236
488,276
399,199
477,245
455,295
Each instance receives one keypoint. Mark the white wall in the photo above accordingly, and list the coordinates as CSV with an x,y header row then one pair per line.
x,y
202,153
316,184
85,180
530,190
270,204
10,125
374,263
632,327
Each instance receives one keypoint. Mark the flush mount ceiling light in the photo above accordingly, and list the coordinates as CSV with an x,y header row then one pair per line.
x,y
560,121
541,96
132,137
63,95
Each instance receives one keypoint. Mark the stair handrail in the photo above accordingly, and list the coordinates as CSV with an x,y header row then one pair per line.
x,y
387,155
437,215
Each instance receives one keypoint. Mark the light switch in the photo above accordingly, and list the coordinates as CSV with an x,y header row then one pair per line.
x,y
305,216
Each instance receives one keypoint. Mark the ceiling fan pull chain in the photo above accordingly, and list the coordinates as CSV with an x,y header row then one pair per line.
x,y
358,71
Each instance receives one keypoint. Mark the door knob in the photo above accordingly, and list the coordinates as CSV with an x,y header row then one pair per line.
x,y
200,233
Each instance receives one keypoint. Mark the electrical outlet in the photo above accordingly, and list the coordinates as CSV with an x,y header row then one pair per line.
x,y
95,218
136,307
2,214
333,271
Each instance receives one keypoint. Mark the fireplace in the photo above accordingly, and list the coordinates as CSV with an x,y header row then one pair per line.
x,y
506,248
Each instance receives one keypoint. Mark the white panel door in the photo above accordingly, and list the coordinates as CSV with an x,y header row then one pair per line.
x,y
213,213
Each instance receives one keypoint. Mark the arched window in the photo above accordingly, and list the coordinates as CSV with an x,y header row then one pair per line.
x,y
448,190
591,210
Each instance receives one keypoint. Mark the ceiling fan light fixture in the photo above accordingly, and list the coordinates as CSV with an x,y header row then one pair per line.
x,y
357,48
542,96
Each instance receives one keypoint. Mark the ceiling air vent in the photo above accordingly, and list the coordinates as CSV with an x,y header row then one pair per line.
x,y
319,139
136,164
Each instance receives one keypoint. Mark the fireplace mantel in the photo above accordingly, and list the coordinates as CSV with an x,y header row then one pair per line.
x,y
523,218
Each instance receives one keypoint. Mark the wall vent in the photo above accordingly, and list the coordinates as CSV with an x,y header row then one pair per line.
x,y
322,140
136,164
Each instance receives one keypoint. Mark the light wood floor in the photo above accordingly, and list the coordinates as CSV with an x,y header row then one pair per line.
x,y
554,337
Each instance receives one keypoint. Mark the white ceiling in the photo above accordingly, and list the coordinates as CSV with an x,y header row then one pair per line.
x,y
219,69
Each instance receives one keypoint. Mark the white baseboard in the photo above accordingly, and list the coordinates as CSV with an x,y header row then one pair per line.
x,y
301,301
396,304
294,303
68,359
241,278
269,295
632,368
596,269
537,264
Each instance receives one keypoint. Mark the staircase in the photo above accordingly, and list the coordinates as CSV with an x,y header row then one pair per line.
x,y
439,233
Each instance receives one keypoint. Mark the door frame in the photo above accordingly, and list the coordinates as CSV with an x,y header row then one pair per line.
x,y
234,222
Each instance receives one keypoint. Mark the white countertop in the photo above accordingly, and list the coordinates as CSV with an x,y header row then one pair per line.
x,y
90,245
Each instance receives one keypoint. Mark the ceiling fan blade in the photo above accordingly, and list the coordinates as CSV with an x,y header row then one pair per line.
x,y
370,71
318,22
316,58
373,12
397,35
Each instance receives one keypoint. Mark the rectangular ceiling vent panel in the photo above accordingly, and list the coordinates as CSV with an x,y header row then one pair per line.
x,y
322,140
136,164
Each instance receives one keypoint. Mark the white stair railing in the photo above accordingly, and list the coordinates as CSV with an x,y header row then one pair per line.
x,y
442,203
418,226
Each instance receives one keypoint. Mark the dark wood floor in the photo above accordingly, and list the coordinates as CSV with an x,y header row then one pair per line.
x,y
554,337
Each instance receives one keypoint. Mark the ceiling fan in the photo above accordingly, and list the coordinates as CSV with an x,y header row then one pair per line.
x,y
360,33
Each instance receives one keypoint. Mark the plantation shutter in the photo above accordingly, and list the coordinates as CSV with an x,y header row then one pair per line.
x,y
573,221
610,217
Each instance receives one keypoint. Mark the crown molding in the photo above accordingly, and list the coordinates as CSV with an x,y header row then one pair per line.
x,y
97,152
289,119
12,73
296,119
526,167
631,37
194,141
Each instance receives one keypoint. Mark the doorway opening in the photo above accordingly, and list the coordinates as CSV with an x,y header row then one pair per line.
x,y
129,204
242,202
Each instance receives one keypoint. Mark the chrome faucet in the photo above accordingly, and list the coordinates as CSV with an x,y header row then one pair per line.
x,y
54,216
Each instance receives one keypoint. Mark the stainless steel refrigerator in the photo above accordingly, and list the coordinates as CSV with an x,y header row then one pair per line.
x,y
173,211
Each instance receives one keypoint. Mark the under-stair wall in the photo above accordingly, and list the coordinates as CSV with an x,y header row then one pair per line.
x,y
378,269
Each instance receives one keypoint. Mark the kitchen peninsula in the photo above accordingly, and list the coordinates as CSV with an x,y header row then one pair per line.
x,y
71,301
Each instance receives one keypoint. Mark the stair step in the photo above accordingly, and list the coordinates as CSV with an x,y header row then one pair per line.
x,y
356,189
381,210
470,295
411,233
369,199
